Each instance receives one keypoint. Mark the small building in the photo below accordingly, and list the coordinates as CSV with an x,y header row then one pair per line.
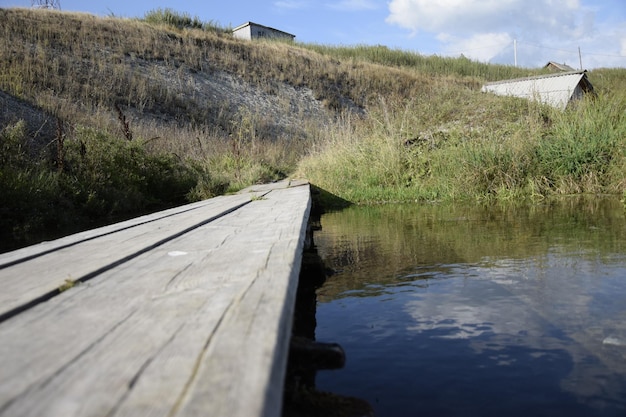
x,y
556,67
250,30
557,90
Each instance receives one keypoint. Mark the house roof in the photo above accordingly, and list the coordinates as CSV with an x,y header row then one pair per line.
x,y
553,89
261,26
562,67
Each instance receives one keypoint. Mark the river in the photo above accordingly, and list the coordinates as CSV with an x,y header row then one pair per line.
x,y
469,310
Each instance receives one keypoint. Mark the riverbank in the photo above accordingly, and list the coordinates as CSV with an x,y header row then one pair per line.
x,y
479,147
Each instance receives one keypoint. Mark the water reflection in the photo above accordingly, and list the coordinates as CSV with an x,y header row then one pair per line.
x,y
478,311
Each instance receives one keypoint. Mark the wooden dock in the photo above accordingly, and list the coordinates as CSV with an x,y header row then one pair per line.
x,y
185,312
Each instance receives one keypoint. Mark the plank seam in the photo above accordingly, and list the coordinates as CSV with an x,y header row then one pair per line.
x,y
51,294
43,383
69,245
198,363
139,373
200,359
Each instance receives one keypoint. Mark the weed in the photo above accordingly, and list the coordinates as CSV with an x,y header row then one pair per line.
x,y
124,123
69,283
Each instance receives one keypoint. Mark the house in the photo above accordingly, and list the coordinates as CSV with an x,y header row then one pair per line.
x,y
250,30
557,90
553,66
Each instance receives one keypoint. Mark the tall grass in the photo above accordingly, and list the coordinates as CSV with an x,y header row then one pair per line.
x,y
585,149
541,153
433,65
172,18
100,178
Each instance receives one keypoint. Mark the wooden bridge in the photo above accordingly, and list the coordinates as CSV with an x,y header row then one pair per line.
x,y
185,312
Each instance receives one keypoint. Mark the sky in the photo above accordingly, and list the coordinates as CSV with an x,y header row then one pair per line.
x,y
496,31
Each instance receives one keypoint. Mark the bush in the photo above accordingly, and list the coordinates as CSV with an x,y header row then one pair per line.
x,y
28,200
109,176
583,145
103,179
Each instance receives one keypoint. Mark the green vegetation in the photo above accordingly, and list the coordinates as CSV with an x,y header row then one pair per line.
x,y
68,284
432,65
181,21
110,117
171,18
532,151
93,179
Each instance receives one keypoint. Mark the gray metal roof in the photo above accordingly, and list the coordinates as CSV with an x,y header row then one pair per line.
x,y
554,89
262,26
560,67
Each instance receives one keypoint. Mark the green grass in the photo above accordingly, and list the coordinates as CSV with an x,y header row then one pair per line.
x,y
541,153
585,149
174,19
99,178
432,65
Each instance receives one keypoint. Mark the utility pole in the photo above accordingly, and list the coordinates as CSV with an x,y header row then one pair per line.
x,y
580,58
515,51
46,4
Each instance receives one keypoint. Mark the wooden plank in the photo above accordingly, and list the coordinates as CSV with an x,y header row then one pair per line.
x,y
196,326
24,254
40,277
261,188
30,252
251,329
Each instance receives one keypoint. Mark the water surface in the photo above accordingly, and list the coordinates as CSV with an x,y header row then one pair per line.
x,y
474,311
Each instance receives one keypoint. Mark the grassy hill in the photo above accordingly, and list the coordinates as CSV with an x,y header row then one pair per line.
x,y
104,118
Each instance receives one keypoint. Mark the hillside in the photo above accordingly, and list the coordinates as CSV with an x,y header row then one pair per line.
x,y
76,66
193,101
104,118
80,67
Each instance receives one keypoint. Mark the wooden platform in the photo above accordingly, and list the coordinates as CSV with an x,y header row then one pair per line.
x,y
186,312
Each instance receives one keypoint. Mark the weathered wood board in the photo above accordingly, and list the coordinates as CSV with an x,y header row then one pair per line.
x,y
197,325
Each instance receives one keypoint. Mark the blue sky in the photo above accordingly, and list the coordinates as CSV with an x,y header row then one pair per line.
x,y
485,30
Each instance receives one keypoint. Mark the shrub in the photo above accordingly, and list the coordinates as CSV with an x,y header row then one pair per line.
x,y
110,176
583,145
104,178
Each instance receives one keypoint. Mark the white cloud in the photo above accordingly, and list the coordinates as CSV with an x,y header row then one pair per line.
x,y
481,46
545,29
353,5
557,17
443,15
